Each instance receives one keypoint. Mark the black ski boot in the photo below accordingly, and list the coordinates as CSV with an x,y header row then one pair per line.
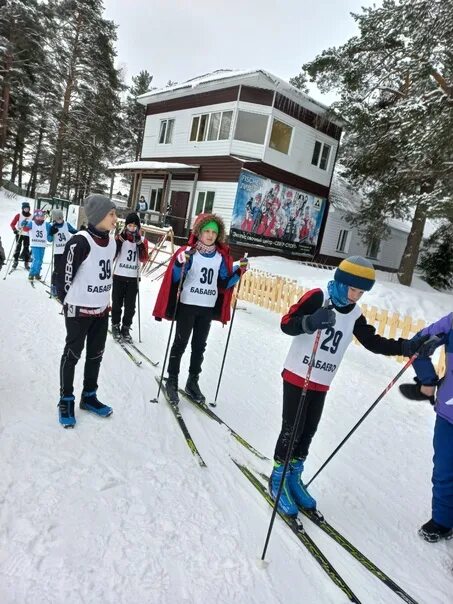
x,y
193,389
171,389
433,532
116,333
125,333
26,266
14,266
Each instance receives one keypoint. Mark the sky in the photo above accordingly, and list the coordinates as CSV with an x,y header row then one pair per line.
x,y
180,39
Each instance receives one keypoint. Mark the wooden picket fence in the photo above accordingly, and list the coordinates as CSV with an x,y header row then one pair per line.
x,y
279,293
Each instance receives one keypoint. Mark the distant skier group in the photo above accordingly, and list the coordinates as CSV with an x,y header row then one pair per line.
x,y
95,272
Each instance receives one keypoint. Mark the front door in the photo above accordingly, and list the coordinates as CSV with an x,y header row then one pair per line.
x,y
177,211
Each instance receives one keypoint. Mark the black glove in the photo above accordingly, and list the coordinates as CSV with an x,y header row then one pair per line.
x,y
423,345
16,232
320,319
413,392
54,228
137,238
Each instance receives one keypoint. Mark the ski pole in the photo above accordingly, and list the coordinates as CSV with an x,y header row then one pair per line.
x,y
138,300
50,265
351,432
293,438
9,260
228,339
178,294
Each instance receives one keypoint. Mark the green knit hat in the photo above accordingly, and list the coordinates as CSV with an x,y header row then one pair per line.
x,y
211,226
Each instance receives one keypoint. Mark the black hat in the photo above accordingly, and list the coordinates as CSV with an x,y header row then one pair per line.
x,y
133,218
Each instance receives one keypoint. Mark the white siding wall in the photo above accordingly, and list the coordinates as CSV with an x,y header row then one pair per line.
x,y
390,252
225,194
181,145
298,161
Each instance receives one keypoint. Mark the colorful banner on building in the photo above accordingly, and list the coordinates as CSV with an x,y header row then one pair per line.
x,y
273,215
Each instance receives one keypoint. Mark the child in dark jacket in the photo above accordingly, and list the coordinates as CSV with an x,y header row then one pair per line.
x,y
60,233
208,277
22,235
440,526
336,313
131,249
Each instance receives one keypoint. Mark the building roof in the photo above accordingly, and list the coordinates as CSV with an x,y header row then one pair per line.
x,y
230,77
152,166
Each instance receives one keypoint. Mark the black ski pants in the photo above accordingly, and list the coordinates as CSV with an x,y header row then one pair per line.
x,y
311,414
124,293
79,329
195,320
58,268
22,245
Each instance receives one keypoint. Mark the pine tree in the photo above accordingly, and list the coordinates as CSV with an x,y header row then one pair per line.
x,y
436,260
396,94
131,135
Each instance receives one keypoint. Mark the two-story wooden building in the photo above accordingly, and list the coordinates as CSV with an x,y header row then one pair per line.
x,y
243,144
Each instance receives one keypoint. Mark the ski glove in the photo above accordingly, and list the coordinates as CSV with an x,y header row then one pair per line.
x,y
54,229
424,345
16,232
320,319
184,255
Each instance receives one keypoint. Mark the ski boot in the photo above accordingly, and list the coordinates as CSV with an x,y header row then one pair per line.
x,y
193,390
30,277
433,532
116,332
171,389
38,277
90,402
14,266
296,487
286,503
66,412
125,333
53,291
27,265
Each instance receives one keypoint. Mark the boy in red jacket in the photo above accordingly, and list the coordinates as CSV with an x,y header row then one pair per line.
x,y
206,267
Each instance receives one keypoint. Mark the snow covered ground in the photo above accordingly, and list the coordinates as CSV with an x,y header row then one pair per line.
x,y
118,511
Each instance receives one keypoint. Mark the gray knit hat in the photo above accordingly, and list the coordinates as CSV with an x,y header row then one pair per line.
x,y
57,215
97,207
356,271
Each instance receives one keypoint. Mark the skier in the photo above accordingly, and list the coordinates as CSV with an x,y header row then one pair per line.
x,y
60,233
39,233
22,236
2,255
337,314
209,277
131,249
440,526
84,289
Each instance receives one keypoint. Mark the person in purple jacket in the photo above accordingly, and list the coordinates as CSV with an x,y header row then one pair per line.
x,y
440,526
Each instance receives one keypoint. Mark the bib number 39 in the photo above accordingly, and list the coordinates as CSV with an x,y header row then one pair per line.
x,y
106,270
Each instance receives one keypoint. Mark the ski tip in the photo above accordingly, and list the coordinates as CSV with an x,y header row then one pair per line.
x,y
154,400
262,564
212,404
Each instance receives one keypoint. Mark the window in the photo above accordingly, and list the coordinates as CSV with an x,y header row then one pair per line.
x,y
343,241
251,127
166,131
373,248
155,199
205,202
321,155
211,126
280,136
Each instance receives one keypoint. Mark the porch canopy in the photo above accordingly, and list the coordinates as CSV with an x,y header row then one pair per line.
x,y
140,169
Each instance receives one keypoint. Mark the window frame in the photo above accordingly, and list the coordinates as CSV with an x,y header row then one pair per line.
x,y
199,117
165,122
344,239
277,119
320,155
372,243
262,115
158,191
205,199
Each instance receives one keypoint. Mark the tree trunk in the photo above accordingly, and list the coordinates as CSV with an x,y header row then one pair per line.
x,y
414,239
21,165
70,83
31,189
15,159
5,109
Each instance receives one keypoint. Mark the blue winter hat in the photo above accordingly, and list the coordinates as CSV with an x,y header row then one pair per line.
x,y
25,204
357,272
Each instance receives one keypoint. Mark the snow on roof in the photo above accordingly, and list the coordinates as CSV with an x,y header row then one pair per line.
x,y
151,165
228,74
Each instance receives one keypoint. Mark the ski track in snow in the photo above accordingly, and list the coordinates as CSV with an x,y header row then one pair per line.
x,y
118,511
